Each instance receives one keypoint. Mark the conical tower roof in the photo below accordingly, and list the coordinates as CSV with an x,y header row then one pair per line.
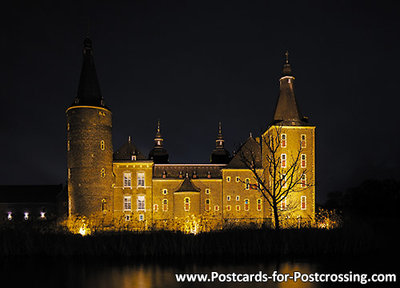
x,y
88,88
287,111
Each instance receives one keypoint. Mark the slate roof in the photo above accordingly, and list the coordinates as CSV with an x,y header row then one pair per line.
x,y
127,151
88,88
187,186
287,111
178,171
29,193
249,150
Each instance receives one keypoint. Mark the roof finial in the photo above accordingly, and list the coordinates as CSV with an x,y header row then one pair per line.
x,y
129,139
287,70
219,127
287,57
158,126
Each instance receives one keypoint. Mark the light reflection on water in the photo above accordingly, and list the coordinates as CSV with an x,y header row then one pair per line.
x,y
154,276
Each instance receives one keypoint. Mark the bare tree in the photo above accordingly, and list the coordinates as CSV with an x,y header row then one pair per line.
x,y
277,176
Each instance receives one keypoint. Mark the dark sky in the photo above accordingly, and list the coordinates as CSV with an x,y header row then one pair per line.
x,y
194,63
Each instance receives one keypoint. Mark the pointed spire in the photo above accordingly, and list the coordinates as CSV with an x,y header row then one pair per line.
x,y
88,89
158,154
287,111
220,140
220,154
287,70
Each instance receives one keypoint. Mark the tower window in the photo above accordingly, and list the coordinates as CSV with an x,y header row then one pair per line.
x,y
127,179
186,203
228,198
303,161
127,217
259,206
283,160
303,140
237,179
141,203
228,207
207,206
102,145
155,207
127,203
165,205
283,140
104,205
237,207
247,184
237,198
303,203
164,191
216,208
228,179
103,172
140,179
283,204
207,191
303,181
246,204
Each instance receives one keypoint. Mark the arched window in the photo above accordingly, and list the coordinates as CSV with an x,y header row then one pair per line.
x,y
103,172
259,206
186,203
247,183
246,204
207,205
104,205
102,145
165,205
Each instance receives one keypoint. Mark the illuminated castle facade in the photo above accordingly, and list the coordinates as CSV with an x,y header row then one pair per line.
x,y
126,189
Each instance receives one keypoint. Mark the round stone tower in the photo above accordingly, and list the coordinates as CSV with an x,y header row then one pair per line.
x,y
89,146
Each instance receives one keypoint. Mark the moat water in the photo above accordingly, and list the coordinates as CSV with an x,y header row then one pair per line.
x,y
102,273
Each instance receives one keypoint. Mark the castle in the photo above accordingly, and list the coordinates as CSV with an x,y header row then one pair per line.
x,y
125,189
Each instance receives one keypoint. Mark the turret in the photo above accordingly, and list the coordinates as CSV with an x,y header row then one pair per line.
x,y
219,155
159,154
89,145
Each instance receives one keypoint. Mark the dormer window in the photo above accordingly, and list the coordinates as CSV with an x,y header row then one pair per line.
x,y
164,174
133,157
180,174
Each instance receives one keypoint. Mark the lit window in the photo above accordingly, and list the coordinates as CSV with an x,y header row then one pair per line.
x,y
228,198
303,203
141,203
26,215
9,216
283,160
247,184
228,207
102,145
42,215
237,198
303,161
164,191
259,204
216,208
283,140
155,207
303,140
103,172
228,179
127,217
140,179
237,179
246,204
237,207
186,203
283,181
207,191
283,204
303,181
207,206
141,217
127,203
104,205
68,126
127,179
68,145
165,205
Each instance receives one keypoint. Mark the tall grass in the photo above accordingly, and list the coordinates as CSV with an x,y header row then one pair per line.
x,y
350,240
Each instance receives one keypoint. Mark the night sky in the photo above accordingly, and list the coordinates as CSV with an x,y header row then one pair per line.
x,y
194,63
